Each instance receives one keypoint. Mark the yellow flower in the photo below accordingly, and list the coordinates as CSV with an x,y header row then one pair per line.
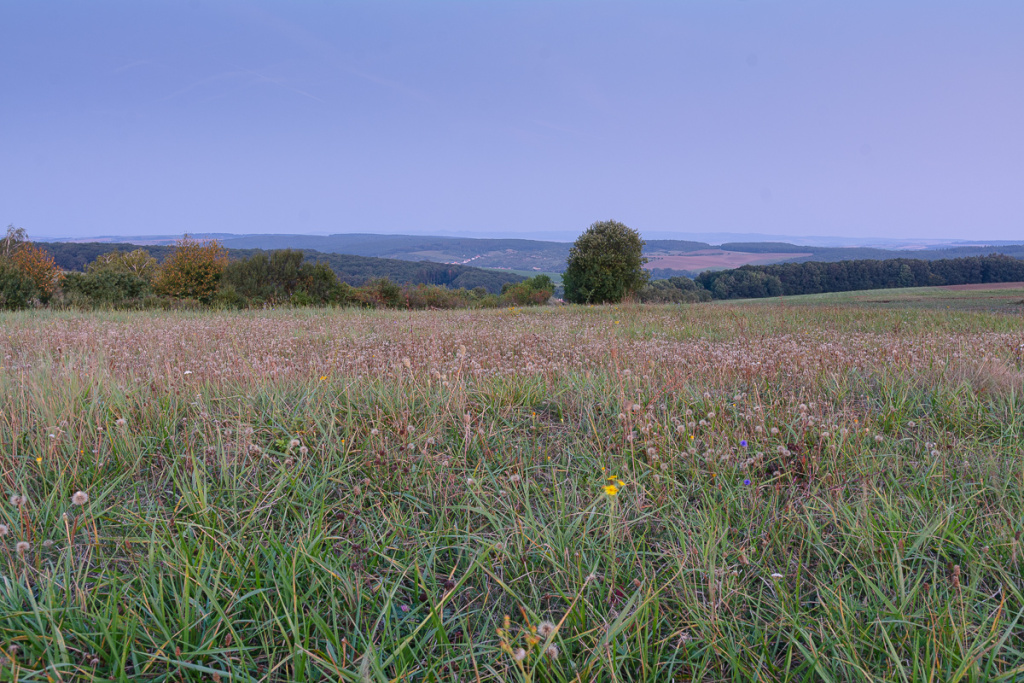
x,y
39,461
323,378
611,489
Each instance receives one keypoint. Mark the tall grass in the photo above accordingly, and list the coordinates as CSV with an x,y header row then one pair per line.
x,y
809,494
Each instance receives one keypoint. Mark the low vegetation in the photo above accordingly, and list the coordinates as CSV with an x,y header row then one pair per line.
x,y
632,493
195,274
353,270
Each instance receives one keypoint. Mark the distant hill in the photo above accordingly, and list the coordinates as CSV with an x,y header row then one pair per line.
x,y
355,270
512,254
668,257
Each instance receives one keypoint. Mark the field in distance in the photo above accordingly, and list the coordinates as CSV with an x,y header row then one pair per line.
x,y
1002,297
734,492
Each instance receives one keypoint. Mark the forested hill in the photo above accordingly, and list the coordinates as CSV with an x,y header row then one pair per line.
x,y
355,270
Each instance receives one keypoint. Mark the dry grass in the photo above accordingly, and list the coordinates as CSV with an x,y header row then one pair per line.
x,y
813,493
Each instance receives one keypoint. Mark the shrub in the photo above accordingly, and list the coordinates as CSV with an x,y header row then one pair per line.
x,y
192,271
138,263
107,287
17,290
278,276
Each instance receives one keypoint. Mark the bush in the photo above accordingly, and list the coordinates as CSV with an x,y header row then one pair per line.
x,y
17,289
673,290
192,271
280,275
380,293
107,287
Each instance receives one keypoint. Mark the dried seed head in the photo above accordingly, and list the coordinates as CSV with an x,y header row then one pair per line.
x,y
79,498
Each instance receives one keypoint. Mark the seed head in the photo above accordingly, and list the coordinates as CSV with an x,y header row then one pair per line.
x,y
79,498
23,547
545,629
519,654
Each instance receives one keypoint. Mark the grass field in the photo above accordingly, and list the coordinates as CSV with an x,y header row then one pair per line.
x,y
729,492
999,298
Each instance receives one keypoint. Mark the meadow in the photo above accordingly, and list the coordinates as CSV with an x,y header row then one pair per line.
x,y
710,492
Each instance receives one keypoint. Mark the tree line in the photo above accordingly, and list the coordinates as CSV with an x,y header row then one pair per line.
x,y
816,277
194,274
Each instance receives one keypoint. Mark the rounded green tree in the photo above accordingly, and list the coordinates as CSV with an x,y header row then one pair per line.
x,y
605,264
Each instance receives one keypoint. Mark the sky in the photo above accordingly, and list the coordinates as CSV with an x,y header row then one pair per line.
x,y
500,118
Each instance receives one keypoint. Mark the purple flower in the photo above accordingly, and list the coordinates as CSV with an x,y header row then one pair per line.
x,y
743,443
746,482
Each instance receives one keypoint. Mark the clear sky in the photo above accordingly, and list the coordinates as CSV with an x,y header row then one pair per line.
x,y
816,117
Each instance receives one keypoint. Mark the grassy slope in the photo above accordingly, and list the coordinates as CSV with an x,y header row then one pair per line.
x,y
939,298
879,537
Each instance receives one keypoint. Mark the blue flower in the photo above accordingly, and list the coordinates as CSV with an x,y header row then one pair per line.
x,y
743,443
746,482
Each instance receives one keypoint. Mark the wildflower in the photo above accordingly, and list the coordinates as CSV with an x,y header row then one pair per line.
x,y
79,498
23,547
39,461
776,575
611,489
405,608
545,629
322,378
746,482
743,443
519,654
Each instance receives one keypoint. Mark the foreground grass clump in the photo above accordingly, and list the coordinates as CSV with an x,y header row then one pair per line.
x,y
611,494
